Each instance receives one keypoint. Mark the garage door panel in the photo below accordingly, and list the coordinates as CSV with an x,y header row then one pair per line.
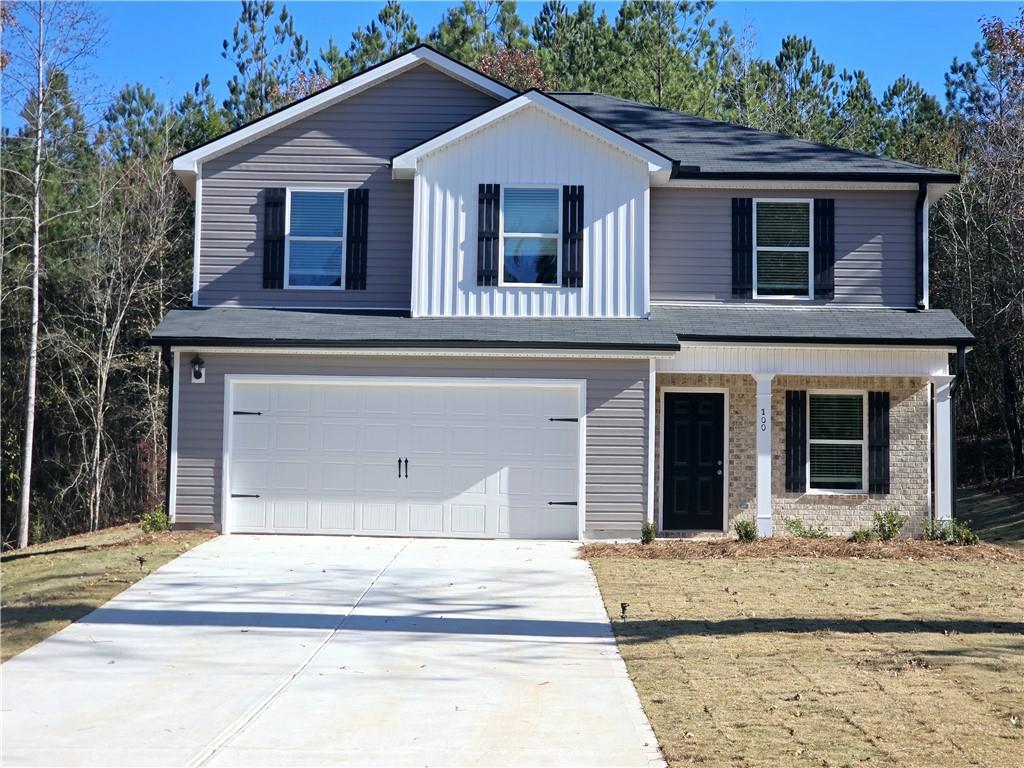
x,y
426,518
337,516
289,476
482,460
292,435
337,477
380,517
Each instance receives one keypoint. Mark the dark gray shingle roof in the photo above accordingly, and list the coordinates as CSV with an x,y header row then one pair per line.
x,y
818,325
230,326
705,148
273,327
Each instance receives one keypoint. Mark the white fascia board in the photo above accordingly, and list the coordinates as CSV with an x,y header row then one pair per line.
x,y
659,167
186,165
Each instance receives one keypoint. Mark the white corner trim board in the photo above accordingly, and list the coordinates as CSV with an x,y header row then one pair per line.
x,y
172,483
660,167
765,525
363,475
187,165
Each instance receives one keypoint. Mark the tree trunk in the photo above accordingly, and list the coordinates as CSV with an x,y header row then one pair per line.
x,y
33,343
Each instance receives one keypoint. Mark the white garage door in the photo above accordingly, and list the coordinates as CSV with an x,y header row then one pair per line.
x,y
404,459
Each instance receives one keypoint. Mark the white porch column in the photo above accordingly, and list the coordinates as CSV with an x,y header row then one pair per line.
x,y
764,453
943,454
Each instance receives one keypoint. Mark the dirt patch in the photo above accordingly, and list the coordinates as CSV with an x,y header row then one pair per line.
x,y
823,661
681,549
48,586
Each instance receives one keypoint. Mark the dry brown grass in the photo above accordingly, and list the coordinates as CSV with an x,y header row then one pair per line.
x,y
48,586
797,661
787,546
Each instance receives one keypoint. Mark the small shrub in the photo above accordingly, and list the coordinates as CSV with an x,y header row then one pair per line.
x,y
862,536
950,532
887,525
795,527
155,521
746,530
647,533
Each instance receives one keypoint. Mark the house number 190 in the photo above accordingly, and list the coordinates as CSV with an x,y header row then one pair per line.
x,y
764,421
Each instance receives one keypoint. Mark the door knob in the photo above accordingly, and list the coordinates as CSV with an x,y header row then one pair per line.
x,y
718,472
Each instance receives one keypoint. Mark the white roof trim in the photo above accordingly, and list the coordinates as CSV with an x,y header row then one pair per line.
x,y
187,165
404,165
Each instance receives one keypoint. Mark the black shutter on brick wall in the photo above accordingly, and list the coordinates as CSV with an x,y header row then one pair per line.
x,y
796,440
572,236
878,442
742,247
273,237
824,248
356,237
487,235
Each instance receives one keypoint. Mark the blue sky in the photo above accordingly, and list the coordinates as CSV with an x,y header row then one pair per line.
x,y
170,45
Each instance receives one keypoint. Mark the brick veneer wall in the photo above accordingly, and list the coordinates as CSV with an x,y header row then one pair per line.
x,y
909,459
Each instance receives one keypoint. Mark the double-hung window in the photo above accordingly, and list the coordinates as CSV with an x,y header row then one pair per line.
x,y
837,445
530,235
315,239
782,249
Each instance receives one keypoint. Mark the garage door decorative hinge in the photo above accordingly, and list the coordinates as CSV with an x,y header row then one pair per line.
x,y
561,503
245,495
247,413
567,418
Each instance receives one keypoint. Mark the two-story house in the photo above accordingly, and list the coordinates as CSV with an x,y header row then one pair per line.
x,y
426,304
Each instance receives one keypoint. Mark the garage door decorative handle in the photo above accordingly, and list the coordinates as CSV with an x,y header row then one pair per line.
x,y
406,469
561,503
568,418
247,413
245,495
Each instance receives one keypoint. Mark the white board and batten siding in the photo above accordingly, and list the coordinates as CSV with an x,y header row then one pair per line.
x,y
530,147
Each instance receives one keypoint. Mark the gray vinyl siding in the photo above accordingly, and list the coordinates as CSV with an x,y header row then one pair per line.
x,y
691,244
349,144
617,394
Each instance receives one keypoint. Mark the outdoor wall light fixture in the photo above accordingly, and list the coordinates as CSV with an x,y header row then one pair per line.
x,y
198,370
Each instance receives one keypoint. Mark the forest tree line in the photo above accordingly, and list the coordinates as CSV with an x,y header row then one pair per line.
x,y
97,233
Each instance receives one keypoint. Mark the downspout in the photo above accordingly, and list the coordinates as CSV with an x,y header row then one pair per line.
x,y
168,359
920,234
961,371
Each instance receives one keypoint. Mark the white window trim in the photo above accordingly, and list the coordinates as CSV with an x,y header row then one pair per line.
x,y
863,442
502,234
288,237
809,202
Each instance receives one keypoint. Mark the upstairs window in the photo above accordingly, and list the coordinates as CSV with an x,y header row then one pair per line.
x,y
530,235
315,241
782,249
836,442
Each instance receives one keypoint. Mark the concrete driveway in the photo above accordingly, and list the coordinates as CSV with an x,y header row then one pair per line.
x,y
264,650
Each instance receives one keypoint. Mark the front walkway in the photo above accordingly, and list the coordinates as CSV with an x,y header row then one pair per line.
x,y
264,650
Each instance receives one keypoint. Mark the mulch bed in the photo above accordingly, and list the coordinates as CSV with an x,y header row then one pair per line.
x,y
682,549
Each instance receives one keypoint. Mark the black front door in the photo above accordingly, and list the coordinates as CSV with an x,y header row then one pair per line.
x,y
693,462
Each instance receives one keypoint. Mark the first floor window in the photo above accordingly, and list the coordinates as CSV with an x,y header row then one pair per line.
x,y
836,442
530,235
316,239
782,252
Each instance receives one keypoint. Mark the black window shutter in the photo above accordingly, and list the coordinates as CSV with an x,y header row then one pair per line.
x,y
796,440
878,442
742,247
356,235
572,236
273,237
487,235
824,249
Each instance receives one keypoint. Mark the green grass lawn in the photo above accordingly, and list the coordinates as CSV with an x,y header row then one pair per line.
x,y
48,586
996,513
